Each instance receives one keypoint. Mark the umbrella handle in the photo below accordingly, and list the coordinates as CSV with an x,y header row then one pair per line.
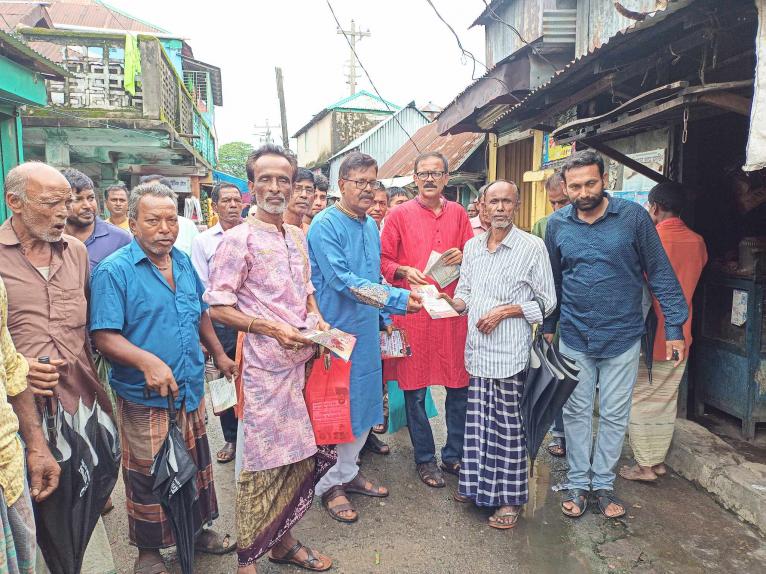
x,y
48,408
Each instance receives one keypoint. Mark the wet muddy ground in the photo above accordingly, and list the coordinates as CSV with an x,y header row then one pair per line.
x,y
671,527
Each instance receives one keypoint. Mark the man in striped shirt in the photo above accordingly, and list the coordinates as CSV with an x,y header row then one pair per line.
x,y
503,272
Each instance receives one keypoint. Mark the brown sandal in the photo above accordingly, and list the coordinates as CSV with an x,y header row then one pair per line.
x,y
358,485
431,475
308,564
332,494
152,568
457,497
494,520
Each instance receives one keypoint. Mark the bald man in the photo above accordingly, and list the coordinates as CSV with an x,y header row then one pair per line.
x,y
46,273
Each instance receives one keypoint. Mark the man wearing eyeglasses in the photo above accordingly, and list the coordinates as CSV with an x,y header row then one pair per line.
x,y
301,200
413,231
344,248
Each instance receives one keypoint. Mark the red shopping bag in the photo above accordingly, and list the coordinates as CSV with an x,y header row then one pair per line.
x,y
328,400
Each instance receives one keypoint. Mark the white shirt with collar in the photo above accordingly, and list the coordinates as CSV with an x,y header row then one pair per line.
x,y
203,249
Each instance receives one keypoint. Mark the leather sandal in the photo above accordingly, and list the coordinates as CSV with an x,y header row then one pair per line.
x,y
431,475
452,468
308,564
607,497
332,494
580,498
358,485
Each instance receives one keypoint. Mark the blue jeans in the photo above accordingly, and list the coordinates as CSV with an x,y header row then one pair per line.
x,y
616,377
420,428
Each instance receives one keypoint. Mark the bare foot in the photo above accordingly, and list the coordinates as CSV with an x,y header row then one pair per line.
x,y
638,473
660,469
247,569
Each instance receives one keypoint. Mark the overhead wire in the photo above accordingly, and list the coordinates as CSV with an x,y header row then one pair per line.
x,y
366,73
471,56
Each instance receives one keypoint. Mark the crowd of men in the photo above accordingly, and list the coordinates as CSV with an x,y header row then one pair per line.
x,y
128,310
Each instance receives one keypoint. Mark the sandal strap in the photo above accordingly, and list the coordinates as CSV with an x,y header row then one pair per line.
x,y
334,492
293,551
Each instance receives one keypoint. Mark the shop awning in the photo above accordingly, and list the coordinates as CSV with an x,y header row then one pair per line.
x,y
505,84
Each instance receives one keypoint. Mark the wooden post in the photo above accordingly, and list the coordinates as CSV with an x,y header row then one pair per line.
x,y
491,157
282,108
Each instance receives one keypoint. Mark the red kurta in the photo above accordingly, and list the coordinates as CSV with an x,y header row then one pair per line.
x,y
411,233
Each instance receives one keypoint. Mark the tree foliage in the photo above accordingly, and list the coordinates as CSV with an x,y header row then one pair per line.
x,y
232,157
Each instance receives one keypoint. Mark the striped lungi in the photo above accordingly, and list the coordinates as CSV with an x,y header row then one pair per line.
x,y
18,542
493,472
142,431
653,414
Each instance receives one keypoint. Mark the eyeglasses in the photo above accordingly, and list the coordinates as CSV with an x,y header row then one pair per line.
x,y
307,188
364,184
424,175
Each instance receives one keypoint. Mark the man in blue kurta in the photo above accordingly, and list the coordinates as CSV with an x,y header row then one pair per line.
x,y
148,318
344,247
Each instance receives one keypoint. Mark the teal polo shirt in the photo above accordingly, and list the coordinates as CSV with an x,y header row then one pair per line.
x,y
130,295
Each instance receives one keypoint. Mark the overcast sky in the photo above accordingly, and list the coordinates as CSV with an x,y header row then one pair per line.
x,y
411,55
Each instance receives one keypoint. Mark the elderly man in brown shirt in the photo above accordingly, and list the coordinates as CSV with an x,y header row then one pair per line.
x,y
46,274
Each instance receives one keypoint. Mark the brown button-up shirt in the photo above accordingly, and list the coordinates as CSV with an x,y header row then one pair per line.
x,y
48,317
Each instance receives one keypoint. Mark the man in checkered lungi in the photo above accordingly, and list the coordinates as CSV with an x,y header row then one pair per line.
x,y
503,272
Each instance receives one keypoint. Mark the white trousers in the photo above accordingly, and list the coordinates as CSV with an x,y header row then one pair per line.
x,y
346,468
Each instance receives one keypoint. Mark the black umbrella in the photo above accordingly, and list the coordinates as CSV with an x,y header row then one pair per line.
x,y
550,379
66,519
175,484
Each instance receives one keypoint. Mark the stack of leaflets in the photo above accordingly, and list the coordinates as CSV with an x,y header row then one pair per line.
x,y
439,272
339,342
437,308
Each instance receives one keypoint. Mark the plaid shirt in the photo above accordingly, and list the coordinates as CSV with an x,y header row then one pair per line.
x,y
13,374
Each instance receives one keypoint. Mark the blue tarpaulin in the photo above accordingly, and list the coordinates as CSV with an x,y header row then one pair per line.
x,y
220,177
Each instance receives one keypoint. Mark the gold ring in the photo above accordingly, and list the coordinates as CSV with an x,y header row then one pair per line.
x,y
295,346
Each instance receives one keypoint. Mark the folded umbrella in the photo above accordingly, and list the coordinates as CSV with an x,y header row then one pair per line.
x,y
66,520
175,485
550,379
647,340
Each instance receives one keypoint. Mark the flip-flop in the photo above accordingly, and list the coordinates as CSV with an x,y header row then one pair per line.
x,y
500,525
290,558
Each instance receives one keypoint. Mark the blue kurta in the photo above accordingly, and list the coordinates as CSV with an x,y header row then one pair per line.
x,y
345,270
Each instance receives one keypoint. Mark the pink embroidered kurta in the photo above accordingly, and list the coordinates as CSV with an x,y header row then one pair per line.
x,y
411,233
266,275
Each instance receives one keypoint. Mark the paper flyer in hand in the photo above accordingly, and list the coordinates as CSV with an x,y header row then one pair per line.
x,y
436,308
223,394
395,345
340,343
439,272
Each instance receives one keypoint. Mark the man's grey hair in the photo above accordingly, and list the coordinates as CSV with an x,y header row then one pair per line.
x,y
154,189
17,179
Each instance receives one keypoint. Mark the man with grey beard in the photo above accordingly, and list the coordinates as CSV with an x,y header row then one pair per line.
x,y
260,285
505,271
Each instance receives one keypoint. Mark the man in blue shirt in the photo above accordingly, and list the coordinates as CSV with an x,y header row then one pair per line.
x,y
601,249
148,317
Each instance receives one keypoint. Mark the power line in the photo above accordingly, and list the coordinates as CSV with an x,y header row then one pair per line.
x,y
470,55
366,73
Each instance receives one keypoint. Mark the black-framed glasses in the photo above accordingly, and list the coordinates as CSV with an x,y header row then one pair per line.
x,y
307,188
424,175
364,184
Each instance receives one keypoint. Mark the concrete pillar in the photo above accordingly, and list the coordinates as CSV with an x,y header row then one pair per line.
x,y
56,150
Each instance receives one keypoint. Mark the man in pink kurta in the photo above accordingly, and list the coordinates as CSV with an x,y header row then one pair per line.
x,y
412,231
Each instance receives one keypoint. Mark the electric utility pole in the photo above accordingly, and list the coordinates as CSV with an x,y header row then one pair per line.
x,y
282,108
353,35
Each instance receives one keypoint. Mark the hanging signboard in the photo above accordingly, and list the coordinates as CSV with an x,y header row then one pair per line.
x,y
634,186
553,153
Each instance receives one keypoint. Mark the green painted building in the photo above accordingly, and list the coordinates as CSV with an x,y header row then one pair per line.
x,y
22,83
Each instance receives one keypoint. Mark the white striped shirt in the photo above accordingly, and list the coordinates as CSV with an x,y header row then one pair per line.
x,y
518,271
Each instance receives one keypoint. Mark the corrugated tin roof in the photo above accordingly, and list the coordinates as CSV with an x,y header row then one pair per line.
x,y
27,14
96,14
20,50
456,148
581,61
491,7
362,101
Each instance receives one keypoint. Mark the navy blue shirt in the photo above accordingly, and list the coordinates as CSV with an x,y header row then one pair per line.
x,y
129,295
599,270
105,240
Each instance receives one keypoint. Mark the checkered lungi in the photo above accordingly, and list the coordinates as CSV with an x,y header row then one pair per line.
x,y
18,544
493,472
142,432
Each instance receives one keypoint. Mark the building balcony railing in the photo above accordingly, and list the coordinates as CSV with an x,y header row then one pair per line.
x,y
97,86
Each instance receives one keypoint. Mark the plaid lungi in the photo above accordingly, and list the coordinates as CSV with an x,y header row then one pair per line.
x,y
142,432
493,472
18,542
